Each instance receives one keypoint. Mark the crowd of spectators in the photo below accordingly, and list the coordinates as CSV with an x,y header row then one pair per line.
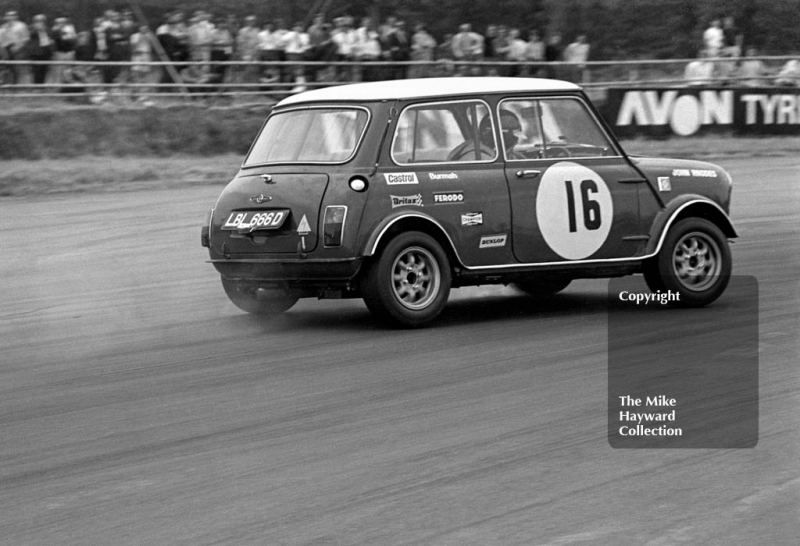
x,y
725,58
347,50
198,46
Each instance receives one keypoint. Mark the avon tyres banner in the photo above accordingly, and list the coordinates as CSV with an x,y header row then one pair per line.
x,y
689,111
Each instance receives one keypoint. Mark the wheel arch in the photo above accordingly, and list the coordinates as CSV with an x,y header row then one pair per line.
x,y
388,228
688,207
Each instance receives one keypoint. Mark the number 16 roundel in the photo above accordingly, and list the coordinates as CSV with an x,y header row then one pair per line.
x,y
574,210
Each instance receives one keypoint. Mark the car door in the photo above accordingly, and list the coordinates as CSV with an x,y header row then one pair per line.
x,y
574,197
446,166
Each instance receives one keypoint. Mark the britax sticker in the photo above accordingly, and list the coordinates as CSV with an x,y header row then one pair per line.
x,y
406,200
664,183
492,241
472,219
444,197
396,179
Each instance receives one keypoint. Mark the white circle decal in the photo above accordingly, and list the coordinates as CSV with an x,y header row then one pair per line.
x,y
685,119
574,210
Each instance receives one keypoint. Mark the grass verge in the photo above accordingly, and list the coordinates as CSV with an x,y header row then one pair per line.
x,y
20,177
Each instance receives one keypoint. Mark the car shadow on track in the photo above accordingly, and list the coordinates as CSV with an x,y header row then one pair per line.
x,y
352,315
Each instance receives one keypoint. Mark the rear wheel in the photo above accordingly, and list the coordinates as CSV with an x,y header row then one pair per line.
x,y
259,301
694,261
409,282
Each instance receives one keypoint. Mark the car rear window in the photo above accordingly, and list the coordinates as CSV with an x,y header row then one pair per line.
x,y
310,135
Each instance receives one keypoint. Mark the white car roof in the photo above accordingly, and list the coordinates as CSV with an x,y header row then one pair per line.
x,y
426,88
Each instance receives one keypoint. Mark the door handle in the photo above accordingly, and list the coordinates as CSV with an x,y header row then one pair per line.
x,y
528,173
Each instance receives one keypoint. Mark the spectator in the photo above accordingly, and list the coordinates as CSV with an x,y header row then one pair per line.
x,y
297,45
398,48
98,39
270,51
118,42
173,37
65,40
752,72
700,71
423,48
516,52
500,46
733,39
534,53
40,48
714,39
577,53
552,54
142,54
467,45
368,48
15,36
789,74
346,39
223,42
247,48
201,35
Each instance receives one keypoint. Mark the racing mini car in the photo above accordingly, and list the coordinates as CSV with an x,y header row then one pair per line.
x,y
398,191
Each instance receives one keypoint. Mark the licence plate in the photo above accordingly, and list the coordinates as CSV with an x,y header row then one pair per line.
x,y
252,220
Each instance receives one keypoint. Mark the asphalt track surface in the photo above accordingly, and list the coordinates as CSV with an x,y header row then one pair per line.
x,y
137,406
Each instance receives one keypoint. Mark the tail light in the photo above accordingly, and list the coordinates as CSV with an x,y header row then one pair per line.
x,y
334,225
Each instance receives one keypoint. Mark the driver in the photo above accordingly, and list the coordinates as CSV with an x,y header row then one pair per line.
x,y
511,130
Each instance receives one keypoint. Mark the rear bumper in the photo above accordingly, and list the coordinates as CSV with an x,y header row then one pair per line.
x,y
291,271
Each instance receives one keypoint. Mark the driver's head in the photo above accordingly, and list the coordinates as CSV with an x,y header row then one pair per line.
x,y
510,127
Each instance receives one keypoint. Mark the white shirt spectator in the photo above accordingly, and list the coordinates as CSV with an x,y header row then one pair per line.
x,y
296,42
714,39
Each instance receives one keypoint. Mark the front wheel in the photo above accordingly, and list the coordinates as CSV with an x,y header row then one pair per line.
x,y
409,281
259,301
695,261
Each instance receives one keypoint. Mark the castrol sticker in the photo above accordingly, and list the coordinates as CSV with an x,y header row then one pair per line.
x,y
574,210
397,179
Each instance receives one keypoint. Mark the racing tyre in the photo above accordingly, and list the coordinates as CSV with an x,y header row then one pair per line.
x,y
694,261
250,298
544,289
409,282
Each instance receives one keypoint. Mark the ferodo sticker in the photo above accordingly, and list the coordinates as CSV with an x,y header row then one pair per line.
x,y
574,210
444,197
396,179
491,241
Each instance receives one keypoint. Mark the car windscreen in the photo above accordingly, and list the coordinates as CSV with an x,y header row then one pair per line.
x,y
311,135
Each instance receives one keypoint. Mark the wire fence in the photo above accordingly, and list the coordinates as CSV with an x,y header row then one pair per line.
x,y
101,80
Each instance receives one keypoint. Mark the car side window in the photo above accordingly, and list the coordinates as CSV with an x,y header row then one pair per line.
x,y
446,132
550,128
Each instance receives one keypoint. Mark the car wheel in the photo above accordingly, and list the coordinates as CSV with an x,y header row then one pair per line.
x,y
543,289
695,261
259,301
409,281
